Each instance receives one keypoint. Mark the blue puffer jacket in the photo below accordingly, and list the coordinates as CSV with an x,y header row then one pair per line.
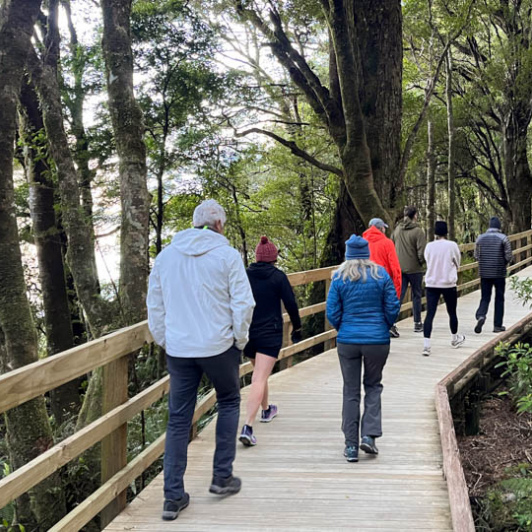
x,y
363,313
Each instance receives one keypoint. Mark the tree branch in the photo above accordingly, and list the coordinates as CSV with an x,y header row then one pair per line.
x,y
294,148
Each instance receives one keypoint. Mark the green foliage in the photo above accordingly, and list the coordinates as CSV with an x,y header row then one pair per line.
x,y
523,289
507,506
518,370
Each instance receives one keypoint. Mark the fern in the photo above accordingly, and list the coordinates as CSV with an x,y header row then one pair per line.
x,y
520,487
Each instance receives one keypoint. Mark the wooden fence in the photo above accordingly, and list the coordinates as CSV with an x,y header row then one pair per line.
x,y
110,353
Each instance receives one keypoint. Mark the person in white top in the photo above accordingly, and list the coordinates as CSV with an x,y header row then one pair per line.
x,y
443,260
200,306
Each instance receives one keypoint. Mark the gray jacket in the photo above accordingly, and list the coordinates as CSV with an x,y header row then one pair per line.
x,y
493,253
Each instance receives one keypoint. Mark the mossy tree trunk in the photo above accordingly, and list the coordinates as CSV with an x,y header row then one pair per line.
x,y
128,127
28,427
65,400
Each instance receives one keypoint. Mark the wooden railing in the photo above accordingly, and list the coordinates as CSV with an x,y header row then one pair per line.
x,y
110,353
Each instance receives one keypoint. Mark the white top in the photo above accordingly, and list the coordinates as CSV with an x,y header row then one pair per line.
x,y
443,259
199,298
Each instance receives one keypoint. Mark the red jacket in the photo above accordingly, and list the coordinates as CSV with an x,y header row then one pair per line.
x,y
382,251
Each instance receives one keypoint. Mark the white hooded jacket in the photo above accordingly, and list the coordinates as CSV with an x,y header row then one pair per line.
x,y
199,298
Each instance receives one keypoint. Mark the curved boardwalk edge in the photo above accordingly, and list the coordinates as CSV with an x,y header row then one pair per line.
x,y
461,513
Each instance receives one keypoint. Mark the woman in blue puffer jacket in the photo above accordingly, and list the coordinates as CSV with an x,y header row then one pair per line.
x,y
362,305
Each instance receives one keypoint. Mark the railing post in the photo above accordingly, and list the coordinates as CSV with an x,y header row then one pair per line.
x,y
114,446
287,326
329,344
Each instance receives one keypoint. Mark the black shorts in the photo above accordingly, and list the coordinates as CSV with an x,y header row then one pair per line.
x,y
253,347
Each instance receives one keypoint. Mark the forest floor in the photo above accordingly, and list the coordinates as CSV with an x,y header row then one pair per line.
x,y
500,452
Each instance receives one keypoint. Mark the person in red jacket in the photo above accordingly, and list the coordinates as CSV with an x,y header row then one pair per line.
x,y
382,252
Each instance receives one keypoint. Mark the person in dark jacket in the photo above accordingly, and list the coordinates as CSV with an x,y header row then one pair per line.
x,y
493,253
270,286
362,305
410,243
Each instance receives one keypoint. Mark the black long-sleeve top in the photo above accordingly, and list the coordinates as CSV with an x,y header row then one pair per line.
x,y
270,286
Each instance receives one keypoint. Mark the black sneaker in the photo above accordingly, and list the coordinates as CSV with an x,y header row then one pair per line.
x,y
418,327
172,508
351,453
502,328
368,445
225,486
480,324
394,333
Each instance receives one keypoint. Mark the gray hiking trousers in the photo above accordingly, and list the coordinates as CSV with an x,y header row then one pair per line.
x,y
351,358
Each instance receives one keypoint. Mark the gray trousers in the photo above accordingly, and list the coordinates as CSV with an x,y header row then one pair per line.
x,y
351,358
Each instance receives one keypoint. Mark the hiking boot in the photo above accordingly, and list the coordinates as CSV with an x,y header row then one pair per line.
x,y
351,453
172,508
460,339
246,436
394,333
502,328
268,415
426,352
480,324
418,326
225,486
367,444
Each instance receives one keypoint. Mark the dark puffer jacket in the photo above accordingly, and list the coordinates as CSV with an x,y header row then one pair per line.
x,y
493,253
363,312
270,286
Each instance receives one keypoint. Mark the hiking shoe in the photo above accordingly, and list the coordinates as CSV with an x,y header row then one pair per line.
x,y
367,444
246,436
480,324
225,486
394,333
351,453
502,328
426,352
460,339
268,415
418,327
172,508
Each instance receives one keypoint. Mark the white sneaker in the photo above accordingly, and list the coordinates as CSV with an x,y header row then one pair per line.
x,y
460,339
426,352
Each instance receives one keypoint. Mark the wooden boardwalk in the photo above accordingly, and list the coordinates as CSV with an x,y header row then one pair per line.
x,y
296,478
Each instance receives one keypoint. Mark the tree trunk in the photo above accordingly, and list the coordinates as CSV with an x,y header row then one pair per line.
x,y
28,427
451,186
128,129
80,250
65,400
379,38
517,170
431,181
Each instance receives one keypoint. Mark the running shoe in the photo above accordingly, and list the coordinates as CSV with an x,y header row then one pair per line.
x,y
172,508
367,444
351,453
460,339
268,415
246,436
225,486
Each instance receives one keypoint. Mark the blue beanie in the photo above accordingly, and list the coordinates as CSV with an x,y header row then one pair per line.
x,y
356,248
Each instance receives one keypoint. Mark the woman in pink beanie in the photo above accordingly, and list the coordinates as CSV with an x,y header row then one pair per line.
x,y
270,286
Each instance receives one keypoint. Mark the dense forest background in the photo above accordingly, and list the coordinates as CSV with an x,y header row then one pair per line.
x,y
303,118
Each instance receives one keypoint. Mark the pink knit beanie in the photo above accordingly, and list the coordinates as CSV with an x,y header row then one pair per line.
x,y
266,251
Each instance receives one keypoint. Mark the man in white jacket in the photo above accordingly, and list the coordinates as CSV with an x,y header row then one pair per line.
x,y
200,306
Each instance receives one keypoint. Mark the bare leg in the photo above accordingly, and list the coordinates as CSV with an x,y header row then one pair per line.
x,y
259,385
264,402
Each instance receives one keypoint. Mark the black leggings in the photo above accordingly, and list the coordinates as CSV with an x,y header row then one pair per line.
x,y
450,296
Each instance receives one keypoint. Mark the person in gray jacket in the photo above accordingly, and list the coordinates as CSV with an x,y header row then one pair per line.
x,y
199,309
410,242
493,253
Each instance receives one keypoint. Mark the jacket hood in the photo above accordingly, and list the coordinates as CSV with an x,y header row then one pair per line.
x,y
372,235
261,270
408,224
197,242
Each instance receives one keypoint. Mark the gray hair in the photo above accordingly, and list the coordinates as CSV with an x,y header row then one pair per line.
x,y
355,269
208,212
